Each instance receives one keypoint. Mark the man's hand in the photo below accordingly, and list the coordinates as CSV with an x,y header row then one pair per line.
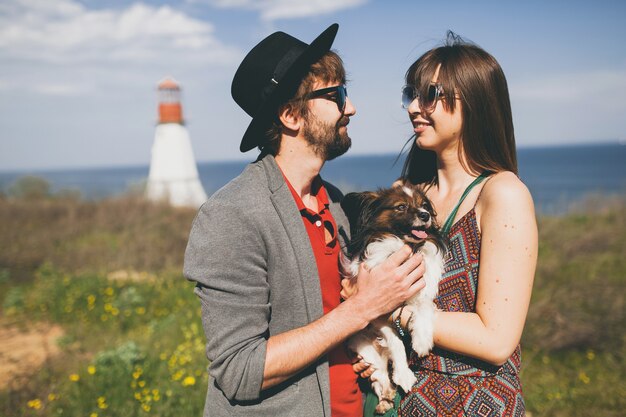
x,y
386,286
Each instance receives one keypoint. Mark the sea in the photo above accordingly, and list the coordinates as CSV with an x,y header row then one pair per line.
x,y
560,178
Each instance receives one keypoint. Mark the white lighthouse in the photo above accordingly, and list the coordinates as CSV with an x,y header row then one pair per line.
x,y
173,173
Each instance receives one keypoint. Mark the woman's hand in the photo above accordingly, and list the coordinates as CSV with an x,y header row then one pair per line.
x,y
362,368
348,288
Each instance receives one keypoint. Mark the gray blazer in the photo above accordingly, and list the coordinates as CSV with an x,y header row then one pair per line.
x,y
256,276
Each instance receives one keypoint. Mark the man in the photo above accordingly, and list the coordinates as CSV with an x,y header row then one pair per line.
x,y
264,249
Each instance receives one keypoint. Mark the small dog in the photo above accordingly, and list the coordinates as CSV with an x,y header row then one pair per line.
x,y
380,224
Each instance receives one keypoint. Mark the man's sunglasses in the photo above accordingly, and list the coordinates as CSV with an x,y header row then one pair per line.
x,y
338,94
428,103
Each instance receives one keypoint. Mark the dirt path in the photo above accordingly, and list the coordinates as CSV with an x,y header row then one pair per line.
x,y
22,352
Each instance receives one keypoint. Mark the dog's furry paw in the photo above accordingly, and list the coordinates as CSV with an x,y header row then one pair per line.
x,y
383,406
405,379
386,401
422,347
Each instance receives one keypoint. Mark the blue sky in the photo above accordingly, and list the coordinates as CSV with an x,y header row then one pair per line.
x,y
78,77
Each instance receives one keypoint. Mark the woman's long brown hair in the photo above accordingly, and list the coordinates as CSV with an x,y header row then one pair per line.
x,y
473,76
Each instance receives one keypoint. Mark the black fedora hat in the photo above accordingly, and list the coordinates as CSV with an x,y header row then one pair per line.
x,y
271,74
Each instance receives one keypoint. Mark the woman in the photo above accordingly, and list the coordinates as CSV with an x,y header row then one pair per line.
x,y
464,158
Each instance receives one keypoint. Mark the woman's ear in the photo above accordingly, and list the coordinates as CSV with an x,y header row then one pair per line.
x,y
289,118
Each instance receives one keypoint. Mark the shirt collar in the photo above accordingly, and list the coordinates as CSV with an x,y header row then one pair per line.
x,y
317,190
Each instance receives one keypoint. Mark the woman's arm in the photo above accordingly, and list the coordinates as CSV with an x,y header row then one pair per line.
x,y
508,257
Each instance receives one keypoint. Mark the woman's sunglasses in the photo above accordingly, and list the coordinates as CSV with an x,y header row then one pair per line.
x,y
428,103
338,94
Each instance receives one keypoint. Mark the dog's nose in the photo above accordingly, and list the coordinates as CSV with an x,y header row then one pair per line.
x,y
423,216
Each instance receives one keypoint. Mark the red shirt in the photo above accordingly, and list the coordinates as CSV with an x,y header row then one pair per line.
x,y
345,396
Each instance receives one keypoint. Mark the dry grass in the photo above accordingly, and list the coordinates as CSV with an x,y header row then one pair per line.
x,y
78,236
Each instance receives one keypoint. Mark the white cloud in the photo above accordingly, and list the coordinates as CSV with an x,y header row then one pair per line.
x,y
42,41
579,106
289,9
598,85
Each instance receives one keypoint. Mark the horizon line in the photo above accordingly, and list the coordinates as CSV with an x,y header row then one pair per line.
x,y
243,158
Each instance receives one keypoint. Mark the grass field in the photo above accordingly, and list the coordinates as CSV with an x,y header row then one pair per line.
x,y
108,275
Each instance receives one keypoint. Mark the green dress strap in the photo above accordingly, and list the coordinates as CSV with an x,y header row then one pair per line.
x,y
445,229
371,400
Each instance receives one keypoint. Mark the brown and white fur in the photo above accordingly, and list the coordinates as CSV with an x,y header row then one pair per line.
x,y
381,223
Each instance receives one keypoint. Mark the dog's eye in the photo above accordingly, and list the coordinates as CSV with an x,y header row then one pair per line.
x,y
401,207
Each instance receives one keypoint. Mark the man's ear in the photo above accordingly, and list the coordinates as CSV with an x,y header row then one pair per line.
x,y
289,118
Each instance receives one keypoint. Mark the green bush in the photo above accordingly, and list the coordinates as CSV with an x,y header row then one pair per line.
x,y
30,188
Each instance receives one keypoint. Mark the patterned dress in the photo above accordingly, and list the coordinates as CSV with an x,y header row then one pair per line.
x,y
449,384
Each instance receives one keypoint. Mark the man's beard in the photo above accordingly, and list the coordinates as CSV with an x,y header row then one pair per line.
x,y
327,140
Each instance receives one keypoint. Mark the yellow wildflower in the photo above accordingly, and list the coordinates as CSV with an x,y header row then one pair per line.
x,y
188,381
140,310
102,403
584,377
52,397
91,369
146,407
93,415
74,377
36,404
108,291
141,383
591,355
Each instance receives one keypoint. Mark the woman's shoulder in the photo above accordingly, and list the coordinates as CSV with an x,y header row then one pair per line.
x,y
504,190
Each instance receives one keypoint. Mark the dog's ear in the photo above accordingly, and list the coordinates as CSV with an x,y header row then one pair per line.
x,y
399,183
354,204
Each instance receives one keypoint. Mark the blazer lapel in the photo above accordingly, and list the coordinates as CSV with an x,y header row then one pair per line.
x,y
290,217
